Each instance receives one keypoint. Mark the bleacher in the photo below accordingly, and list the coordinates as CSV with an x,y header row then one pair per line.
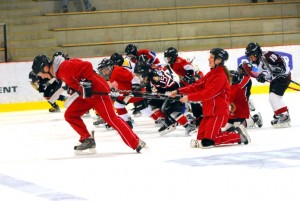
x,y
36,27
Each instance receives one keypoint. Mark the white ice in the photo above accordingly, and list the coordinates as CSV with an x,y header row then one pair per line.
x,y
37,162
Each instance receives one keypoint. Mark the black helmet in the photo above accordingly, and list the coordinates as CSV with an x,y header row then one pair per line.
x,y
66,56
117,59
235,76
39,63
170,55
253,49
105,64
143,69
131,49
58,54
219,53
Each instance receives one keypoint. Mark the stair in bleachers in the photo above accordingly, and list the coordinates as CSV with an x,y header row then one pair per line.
x,y
195,27
27,30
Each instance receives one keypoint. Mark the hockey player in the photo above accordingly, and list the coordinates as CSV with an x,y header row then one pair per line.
x,y
133,53
132,56
246,83
187,75
272,67
124,80
48,85
128,64
239,107
80,76
213,90
158,81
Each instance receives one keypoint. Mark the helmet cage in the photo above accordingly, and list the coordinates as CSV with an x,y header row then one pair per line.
x,y
170,55
143,69
105,68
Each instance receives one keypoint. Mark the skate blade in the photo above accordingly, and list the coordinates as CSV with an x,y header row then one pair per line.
x,y
90,151
146,148
191,132
284,125
168,130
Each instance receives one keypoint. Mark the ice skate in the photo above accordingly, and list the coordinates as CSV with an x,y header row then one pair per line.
x,y
281,121
54,108
258,119
190,117
140,146
159,122
189,128
136,113
199,144
166,129
107,126
195,143
99,121
245,138
169,125
87,146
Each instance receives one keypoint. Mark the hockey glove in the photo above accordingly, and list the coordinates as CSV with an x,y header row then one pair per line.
x,y
261,78
136,90
189,78
114,94
86,88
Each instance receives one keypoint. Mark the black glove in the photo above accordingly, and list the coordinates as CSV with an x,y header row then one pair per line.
x,y
189,77
33,77
261,78
136,87
87,91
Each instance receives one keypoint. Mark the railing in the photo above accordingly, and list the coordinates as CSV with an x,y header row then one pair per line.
x,y
4,42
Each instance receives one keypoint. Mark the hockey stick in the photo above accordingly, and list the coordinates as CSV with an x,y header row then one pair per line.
x,y
138,94
255,74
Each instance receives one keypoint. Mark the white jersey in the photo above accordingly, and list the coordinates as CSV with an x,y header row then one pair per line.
x,y
128,64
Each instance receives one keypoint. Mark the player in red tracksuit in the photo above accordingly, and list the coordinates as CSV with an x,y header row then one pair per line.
x,y
213,90
123,80
80,76
239,108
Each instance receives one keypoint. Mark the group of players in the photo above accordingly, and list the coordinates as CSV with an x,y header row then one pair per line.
x,y
173,94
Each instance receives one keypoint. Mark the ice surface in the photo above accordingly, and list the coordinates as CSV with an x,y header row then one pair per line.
x,y
37,162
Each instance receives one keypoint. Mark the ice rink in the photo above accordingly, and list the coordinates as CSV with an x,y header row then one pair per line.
x,y
37,162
